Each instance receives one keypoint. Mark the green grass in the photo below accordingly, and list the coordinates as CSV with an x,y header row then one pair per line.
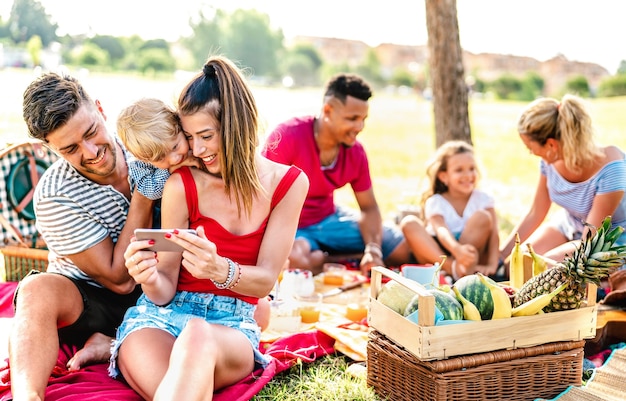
x,y
325,379
399,138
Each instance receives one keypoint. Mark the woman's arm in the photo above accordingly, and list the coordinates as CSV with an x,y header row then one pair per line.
x,y
493,252
603,205
535,216
371,228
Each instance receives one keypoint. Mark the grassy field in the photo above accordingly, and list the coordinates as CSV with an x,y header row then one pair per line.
x,y
399,137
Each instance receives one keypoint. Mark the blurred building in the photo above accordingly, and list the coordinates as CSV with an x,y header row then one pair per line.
x,y
486,66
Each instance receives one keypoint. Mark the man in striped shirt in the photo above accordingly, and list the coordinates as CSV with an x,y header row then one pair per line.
x,y
87,216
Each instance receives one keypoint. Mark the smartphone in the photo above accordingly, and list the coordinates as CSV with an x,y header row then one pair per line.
x,y
161,244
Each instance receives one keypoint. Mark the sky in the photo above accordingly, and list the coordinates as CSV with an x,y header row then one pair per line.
x,y
581,30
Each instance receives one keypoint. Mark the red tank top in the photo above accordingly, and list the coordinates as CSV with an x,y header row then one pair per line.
x,y
243,249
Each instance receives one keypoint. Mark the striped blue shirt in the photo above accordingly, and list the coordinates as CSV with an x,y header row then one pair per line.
x,y
577,197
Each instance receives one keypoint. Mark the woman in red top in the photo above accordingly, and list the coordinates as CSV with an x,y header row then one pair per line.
x,y
193,330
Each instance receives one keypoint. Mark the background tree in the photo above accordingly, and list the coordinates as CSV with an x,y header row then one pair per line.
x,y
622,67
4,29
300,67
112,45
533,84
506,87
370,69
244,36
403,77
613,86
450,92
90,55
34,47
27,19
132,45
251,42
302,63
154,60
578,85
206,37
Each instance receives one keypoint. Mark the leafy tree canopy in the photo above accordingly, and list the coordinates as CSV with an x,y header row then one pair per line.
x,y
28,18
244,36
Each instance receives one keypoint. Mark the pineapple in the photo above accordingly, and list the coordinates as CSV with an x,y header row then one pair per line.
x,y
595,258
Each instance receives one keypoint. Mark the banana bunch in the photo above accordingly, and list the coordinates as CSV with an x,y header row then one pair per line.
x,y
516,265
501,302
536,305
539,263
470,311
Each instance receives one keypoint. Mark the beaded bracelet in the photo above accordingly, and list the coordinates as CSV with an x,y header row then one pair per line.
x,y
238,276
230,278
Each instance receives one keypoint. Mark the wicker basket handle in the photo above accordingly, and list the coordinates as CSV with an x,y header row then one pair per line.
x,y
13,231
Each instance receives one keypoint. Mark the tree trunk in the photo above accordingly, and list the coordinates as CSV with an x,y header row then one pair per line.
x,y
447,73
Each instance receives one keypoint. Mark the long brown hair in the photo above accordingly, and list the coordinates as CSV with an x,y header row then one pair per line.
x,y
221,91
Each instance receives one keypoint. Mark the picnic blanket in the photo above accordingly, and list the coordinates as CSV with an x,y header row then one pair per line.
x,y
286,349
606,384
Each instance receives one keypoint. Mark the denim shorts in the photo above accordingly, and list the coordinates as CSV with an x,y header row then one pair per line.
x,y
564,223
340,233
173,318
573,229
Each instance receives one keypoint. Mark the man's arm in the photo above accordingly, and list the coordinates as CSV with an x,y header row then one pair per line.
x,y
371,226
104,262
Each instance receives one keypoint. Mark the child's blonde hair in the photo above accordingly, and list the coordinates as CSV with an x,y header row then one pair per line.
x,y
147,128
439,163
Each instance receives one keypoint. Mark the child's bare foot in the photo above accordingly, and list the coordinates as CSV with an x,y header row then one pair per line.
x,y
97,349
458,270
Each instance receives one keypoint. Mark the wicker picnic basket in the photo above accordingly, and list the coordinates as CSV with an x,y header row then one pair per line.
x,y
18,261
517,374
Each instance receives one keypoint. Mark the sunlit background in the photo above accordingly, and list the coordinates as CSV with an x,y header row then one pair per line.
x,y
582,30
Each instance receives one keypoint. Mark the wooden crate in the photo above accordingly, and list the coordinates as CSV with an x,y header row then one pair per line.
x,y
429,342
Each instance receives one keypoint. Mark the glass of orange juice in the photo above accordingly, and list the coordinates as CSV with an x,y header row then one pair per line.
x,y
334,273
356,309
310,307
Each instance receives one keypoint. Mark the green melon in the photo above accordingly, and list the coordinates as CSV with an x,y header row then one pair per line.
x,y
395,296
475,291
447,304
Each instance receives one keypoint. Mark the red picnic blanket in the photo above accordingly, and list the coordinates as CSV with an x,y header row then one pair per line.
x,y
94,383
